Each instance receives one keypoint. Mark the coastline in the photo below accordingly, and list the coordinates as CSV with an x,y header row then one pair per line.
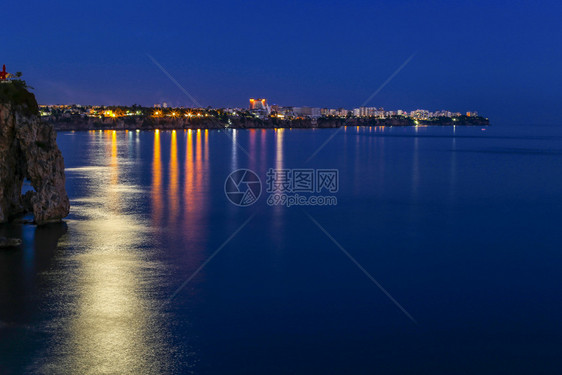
x,y
77,123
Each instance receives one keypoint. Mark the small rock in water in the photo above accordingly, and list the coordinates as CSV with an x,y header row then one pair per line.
x,y
23,221
9,242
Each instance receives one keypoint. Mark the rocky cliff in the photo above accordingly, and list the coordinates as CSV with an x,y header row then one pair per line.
x,y
28,150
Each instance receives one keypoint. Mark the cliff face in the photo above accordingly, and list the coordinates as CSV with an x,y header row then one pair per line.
x,y
28,149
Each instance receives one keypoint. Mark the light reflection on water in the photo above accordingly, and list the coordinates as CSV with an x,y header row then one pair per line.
x,y
108,312
428,211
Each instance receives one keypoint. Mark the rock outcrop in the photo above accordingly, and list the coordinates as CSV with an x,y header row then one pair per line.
x,y
9,242
28,150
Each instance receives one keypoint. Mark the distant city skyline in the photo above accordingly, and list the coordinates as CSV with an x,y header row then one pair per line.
x,y
499,58
258,115
258,108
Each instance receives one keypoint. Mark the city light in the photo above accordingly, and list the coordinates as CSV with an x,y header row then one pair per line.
x,y
261,110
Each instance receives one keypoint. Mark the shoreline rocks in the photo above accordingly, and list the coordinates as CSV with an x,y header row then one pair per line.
x,y
6,242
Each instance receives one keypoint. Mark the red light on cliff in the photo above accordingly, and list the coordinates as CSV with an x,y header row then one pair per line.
x,y
3,73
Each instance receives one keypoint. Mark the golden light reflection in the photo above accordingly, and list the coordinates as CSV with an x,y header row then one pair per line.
x,y
157,205
277,224
199,173
106,320
252,149
114,163
263,145
278,209
111,144
173,199
279,149
195,195
188,182
206,144
198,149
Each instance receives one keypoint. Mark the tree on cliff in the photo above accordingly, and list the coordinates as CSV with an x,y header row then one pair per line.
x,y
16,92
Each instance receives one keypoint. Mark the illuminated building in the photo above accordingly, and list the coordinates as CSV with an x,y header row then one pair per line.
x,y
258,104
259,107
307,112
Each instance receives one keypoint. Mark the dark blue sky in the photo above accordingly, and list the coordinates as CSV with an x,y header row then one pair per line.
x,y
502,58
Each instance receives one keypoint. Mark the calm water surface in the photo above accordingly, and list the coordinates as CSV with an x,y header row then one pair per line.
x,y
460,226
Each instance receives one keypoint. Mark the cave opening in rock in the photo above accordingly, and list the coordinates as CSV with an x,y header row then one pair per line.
x,y
27,193
26,186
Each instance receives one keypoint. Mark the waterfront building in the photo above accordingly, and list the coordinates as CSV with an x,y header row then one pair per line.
x,y
258,104
309,112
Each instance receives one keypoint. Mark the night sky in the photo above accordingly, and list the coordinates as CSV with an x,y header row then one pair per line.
x,y
501,58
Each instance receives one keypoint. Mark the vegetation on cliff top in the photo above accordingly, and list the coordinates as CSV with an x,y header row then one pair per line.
x,y
16,92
